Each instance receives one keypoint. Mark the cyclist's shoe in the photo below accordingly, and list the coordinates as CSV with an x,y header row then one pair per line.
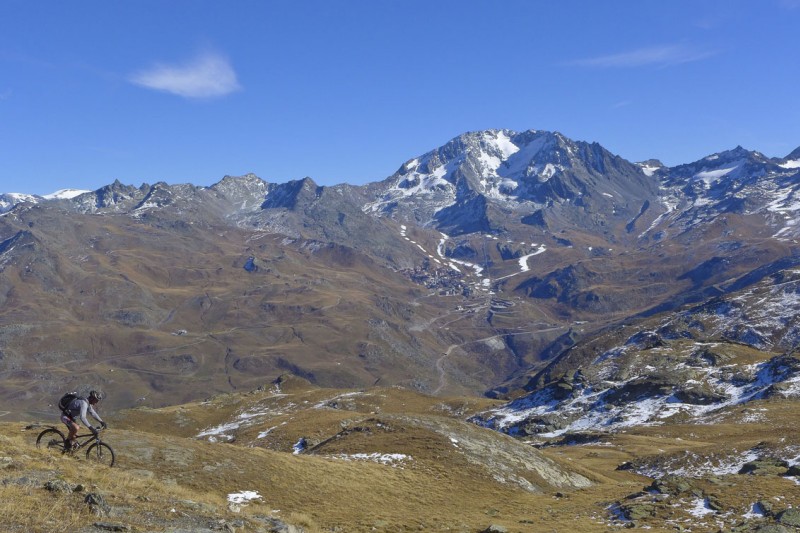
x,y
74,446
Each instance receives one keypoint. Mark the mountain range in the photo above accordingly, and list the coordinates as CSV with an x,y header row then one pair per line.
x,y
494,265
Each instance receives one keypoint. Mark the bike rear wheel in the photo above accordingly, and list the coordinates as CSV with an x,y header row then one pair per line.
x,y
100,453
51,440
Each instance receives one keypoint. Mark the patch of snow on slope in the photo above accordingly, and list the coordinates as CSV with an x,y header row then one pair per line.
x,y
505,146
519,162
756,511
709,176
523,261
64,194
693,465
791,164
389,459
326,403
648,170
590,411
785,202
222,430
700,508
418,184
243,496
9,200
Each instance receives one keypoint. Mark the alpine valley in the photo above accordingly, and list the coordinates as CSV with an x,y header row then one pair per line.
x,y
564,326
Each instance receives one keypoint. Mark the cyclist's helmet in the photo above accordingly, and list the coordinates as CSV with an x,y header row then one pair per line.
x,y
96,395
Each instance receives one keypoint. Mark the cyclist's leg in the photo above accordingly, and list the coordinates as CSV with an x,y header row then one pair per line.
x,y
73,430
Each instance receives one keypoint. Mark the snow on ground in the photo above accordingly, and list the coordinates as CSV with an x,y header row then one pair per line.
x,y
237,500
691,464
523,261
326,403
394,460
299,446
756,511
589,410
700,507
242,420
243,496
266,432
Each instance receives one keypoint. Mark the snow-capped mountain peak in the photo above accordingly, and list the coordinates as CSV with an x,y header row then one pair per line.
x,y
519,171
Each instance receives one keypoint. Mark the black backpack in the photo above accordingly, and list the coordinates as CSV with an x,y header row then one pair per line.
x,y
65,400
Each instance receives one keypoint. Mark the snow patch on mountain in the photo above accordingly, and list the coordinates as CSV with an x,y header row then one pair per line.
x,y
395,460
65,194
10,199
648,170
592,410
762,316
523,261
710,176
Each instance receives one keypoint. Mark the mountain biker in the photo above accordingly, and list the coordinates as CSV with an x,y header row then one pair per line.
x,y
77,409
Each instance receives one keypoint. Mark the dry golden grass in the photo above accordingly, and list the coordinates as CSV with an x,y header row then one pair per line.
x,y
453,477
27,505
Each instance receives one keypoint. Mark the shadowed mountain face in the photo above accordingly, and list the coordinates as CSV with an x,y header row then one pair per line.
x,y
471,269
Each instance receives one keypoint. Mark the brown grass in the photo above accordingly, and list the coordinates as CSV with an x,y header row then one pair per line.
x,y
165,477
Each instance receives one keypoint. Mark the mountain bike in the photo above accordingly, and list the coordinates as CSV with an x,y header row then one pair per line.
x,y
53,440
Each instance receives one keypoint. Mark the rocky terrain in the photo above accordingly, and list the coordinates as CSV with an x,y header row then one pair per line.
x,y
291,457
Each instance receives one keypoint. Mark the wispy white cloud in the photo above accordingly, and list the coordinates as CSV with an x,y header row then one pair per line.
x,y
660,56
208,75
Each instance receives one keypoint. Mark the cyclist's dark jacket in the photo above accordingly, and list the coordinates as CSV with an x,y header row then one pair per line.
x,y
78,408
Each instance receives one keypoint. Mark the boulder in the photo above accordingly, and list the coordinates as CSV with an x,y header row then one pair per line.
x,y
671,484
107,526
58,485
97,504
773,528
699,395
766,466
638,510
789,517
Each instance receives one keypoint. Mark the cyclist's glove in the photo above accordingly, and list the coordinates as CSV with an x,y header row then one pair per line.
x,y
103,425
94,430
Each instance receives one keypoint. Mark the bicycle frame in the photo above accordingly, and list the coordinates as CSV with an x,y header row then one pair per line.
x,y
91,437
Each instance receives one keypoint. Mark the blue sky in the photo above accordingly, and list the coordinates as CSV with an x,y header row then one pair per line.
x,y
187,91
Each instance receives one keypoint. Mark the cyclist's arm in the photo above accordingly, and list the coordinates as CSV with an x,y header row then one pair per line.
x,y
95,415
84,406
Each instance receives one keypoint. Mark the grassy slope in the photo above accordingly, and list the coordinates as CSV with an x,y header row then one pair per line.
x,y
167,478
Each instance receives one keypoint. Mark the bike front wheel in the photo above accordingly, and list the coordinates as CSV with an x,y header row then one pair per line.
x,y
51,440
100,453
